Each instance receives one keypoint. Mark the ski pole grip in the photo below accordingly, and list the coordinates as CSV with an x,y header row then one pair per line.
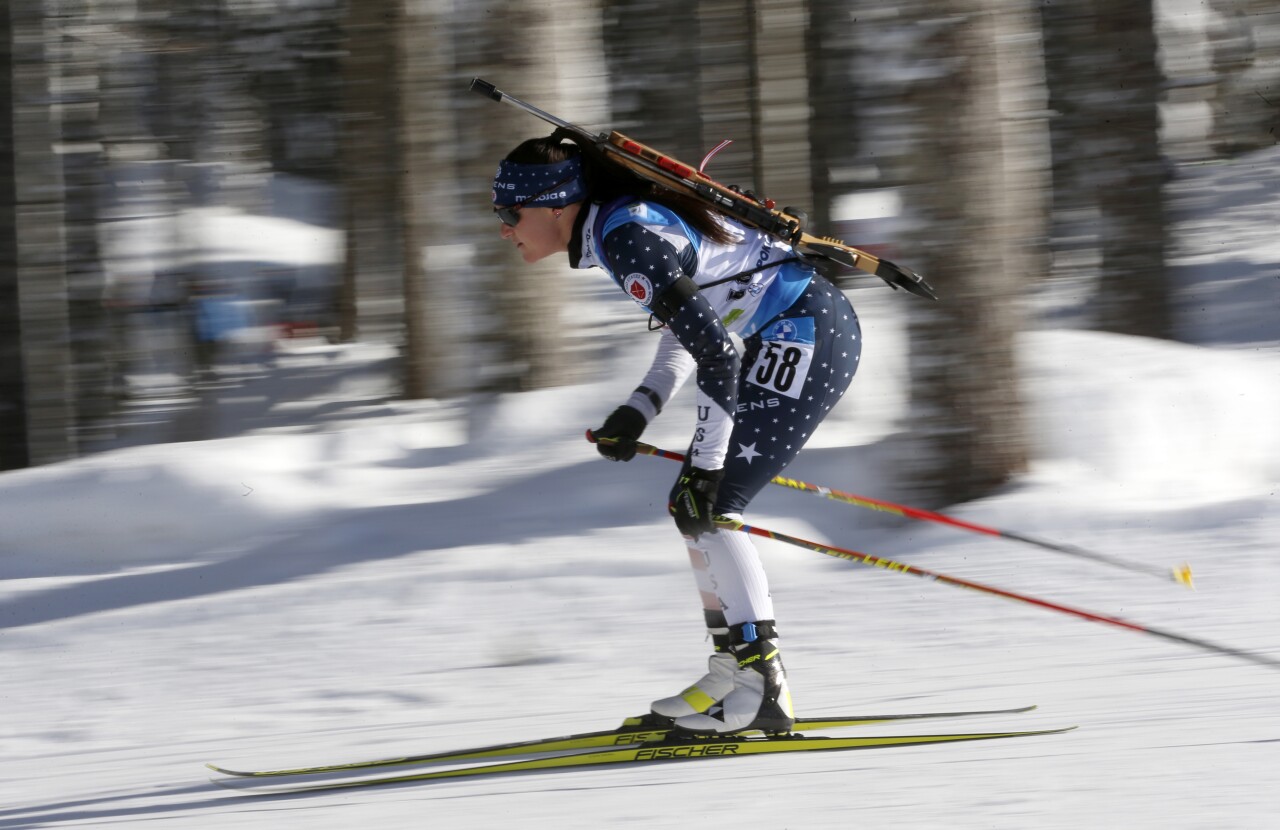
x,y
482,87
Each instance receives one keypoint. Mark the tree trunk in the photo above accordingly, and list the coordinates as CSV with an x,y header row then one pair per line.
x,y
1109,173
428,194
753,75
833,121
372,300
726,77
783,87
514,310
37,413
967,418
655,97
80,76
1245,98
1133,294
13,391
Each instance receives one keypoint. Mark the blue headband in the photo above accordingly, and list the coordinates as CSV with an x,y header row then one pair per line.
x,y
515,183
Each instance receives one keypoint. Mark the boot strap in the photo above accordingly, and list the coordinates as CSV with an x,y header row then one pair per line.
x,y
749,632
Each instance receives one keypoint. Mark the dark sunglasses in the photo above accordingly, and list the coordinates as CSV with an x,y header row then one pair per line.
x,y
510,216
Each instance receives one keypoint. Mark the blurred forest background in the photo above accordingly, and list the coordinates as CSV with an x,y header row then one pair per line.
x,y
996,146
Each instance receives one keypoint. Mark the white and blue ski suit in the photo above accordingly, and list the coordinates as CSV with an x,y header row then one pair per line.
x,y
801,336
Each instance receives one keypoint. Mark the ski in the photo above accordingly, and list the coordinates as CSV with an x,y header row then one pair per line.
x,y
635,730
674,750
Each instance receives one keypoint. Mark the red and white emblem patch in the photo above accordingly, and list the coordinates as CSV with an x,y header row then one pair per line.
x,y
639,287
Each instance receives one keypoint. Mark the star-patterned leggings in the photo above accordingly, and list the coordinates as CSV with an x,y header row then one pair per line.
x,y
771,427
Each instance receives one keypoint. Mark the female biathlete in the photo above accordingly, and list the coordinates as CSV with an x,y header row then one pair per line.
x,y
702,276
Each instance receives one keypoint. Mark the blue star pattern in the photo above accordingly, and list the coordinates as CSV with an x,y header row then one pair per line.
x,y
751,429
770,429
695,324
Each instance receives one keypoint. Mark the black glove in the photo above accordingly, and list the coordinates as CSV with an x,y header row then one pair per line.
x,y
695,502
623,427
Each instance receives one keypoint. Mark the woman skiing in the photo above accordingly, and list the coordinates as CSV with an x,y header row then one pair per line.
x,y
702,276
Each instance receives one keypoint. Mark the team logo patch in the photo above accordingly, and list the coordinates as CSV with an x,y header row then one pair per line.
x,y
799,330
639,287
784,330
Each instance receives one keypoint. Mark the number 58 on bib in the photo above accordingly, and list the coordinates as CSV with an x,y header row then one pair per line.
x,y
785,355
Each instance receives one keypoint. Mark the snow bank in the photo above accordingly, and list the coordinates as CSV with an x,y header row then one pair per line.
x,y
155,504
1158,420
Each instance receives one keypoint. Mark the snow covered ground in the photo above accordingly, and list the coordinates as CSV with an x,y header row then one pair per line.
x,y
360,578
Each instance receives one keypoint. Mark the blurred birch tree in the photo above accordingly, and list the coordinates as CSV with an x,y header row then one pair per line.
x,y
546,53
1105,89
832,103
372,300
37,414
968,165
1245,99
427,196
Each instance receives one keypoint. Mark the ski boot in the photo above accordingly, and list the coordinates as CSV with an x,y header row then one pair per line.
x,y
759,699
713,686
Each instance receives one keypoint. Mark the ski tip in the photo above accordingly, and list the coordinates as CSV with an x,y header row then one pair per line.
x,y
224,770
591,436
1182,574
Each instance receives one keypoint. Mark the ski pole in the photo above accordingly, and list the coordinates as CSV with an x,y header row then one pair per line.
x,y
1180,574
900,567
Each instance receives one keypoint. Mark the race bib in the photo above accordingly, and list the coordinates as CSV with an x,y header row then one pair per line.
x,y
785,354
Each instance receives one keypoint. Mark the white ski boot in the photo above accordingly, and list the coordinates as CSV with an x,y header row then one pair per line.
x,y
759,699
705,693
714,685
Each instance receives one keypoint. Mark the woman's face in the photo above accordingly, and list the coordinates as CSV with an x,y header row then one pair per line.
x,y
541,232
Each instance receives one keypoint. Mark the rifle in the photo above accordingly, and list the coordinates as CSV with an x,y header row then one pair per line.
x,y
786,224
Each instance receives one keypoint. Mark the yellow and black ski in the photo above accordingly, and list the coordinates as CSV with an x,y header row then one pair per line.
x,y
688,749
632,731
